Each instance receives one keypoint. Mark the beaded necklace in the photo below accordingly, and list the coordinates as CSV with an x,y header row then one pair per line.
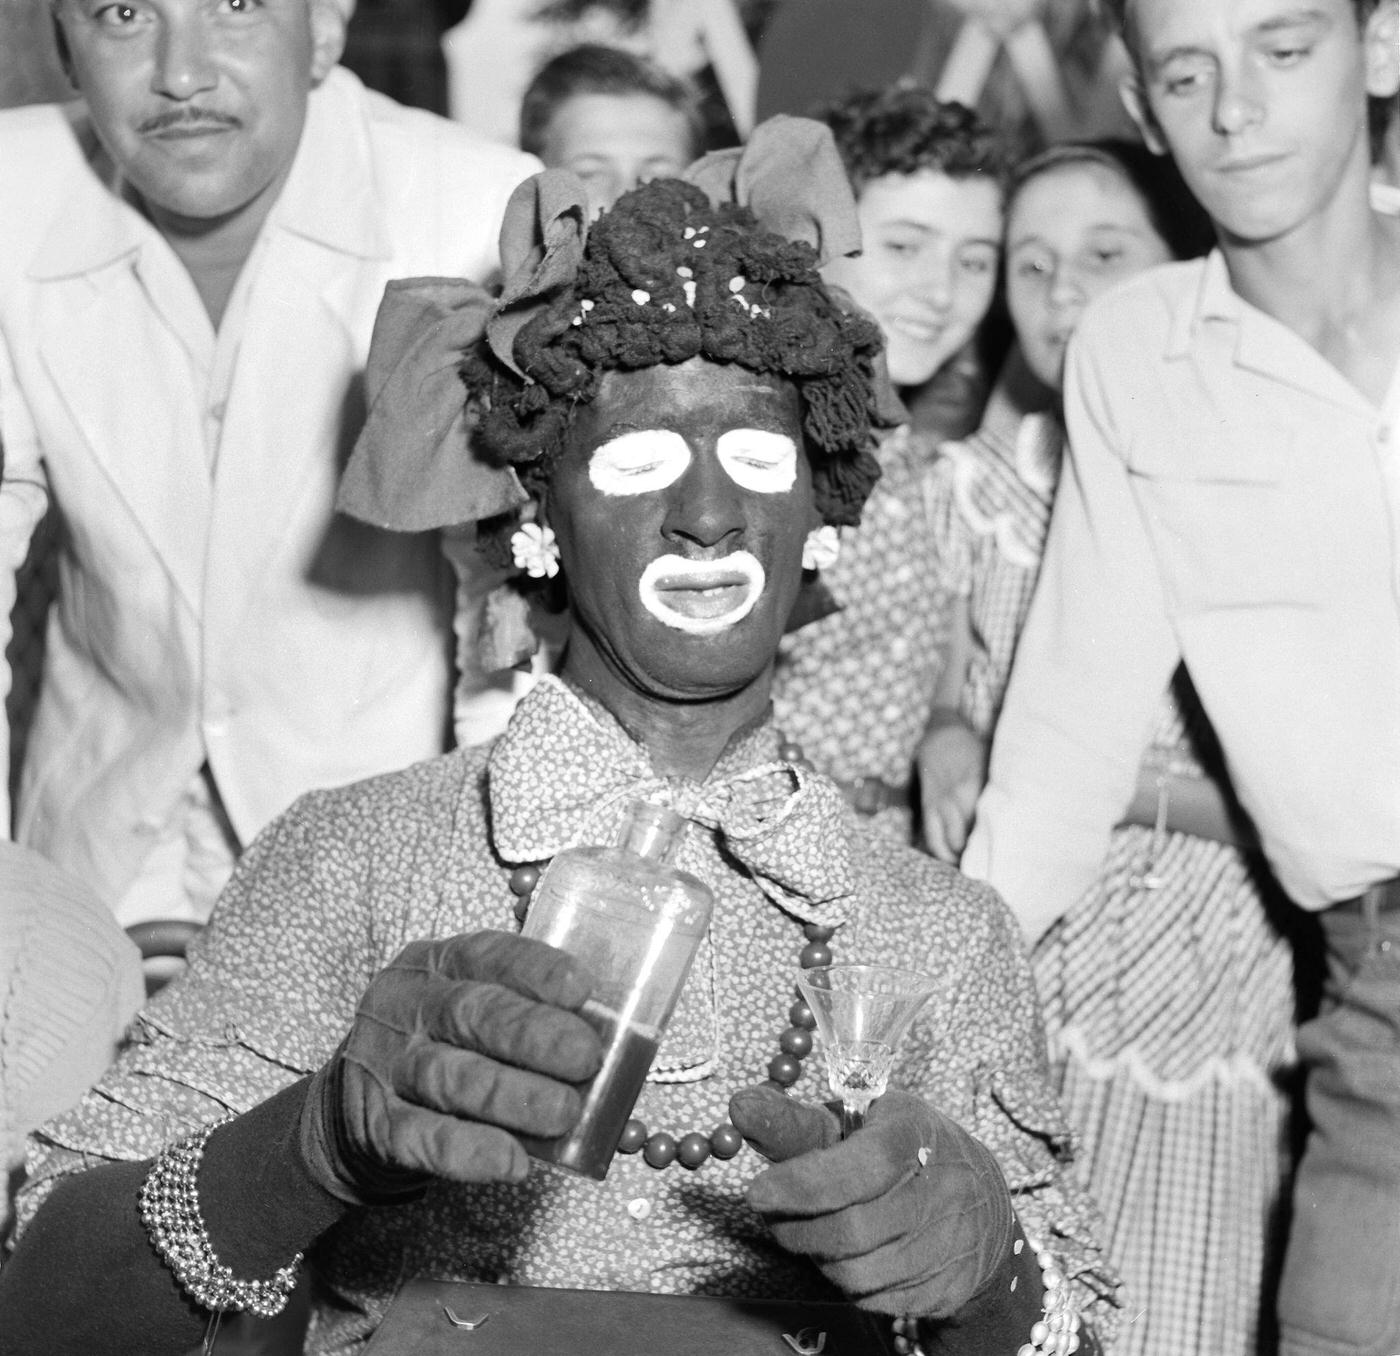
x,y
659,1148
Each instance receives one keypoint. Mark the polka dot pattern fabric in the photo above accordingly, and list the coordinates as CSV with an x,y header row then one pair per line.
x,y
337,886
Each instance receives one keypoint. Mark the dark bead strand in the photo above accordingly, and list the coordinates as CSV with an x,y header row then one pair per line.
x,y
522,885
796,1042
634,1136
693,1149
660,1150
725,1141
784,1069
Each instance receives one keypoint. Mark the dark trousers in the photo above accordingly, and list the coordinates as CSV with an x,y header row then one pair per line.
x,y
1340,1290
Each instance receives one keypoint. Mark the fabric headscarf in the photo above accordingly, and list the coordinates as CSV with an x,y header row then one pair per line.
x,y
421,460
414,466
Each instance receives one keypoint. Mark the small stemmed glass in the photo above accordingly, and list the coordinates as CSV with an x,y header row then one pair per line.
x,y
862,1013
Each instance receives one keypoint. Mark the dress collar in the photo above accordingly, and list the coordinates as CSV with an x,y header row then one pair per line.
x,y
564,769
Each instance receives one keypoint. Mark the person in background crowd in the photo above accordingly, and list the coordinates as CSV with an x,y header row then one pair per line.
x,y
1231,502
194,254
856,676
926,178
1168,988
670,403
613,118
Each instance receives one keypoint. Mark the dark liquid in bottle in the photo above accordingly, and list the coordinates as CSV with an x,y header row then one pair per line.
x,y
628,1051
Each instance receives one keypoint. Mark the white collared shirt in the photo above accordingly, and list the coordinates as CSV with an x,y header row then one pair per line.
x,y
1231,500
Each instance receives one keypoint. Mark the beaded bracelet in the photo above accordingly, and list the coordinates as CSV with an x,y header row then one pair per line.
x,y
169,1203
1055,1334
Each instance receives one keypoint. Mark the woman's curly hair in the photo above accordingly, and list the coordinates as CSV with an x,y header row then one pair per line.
x,y
667,276
905,129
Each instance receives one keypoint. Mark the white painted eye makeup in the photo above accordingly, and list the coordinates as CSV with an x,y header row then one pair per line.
x,y
651,459
758,459
639,462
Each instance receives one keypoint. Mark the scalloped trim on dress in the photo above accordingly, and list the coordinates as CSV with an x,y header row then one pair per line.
x,y
1231,1071
1034,462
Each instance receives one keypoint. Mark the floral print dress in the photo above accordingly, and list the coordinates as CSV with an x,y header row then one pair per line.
x,y
854,689
332,891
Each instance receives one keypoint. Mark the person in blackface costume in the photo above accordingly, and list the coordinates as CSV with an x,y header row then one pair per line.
x,y
663,408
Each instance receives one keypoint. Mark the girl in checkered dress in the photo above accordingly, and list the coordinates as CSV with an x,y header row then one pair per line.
x,y
1169,990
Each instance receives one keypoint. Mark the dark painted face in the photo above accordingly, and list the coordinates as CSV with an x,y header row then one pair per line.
x,y
681,505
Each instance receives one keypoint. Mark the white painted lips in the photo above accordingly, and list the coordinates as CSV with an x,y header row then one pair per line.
x,y
701,597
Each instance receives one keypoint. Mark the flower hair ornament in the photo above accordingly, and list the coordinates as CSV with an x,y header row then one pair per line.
x,y
534,550
470,399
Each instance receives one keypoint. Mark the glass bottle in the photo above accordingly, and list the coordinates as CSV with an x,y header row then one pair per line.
x,y
635,921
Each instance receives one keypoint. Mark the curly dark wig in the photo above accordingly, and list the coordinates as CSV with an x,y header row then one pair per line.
x,y
905,129
667,276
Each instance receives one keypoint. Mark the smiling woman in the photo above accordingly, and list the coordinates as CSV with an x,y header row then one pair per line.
x,y
928,182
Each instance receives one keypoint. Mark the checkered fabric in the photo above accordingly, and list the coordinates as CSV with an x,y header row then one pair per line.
x,y
1168,989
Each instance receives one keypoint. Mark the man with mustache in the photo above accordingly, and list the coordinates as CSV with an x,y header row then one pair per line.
x,y
192,258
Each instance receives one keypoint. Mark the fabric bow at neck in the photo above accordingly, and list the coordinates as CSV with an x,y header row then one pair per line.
x,y
562,774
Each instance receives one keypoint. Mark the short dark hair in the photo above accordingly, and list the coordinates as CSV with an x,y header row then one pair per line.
x,y
594,68
1175,215
905,129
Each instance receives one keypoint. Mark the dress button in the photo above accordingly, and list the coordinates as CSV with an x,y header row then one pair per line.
x,y
639,1207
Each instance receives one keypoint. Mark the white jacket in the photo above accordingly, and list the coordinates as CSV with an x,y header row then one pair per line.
x,y
229,618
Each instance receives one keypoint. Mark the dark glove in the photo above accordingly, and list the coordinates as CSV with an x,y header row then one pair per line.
x,y
910,1215
458,1045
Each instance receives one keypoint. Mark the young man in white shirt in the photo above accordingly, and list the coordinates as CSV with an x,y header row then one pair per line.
x,y
1232,500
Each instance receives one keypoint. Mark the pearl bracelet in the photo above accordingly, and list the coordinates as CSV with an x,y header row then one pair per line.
x,y
169,1201
1055,1334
